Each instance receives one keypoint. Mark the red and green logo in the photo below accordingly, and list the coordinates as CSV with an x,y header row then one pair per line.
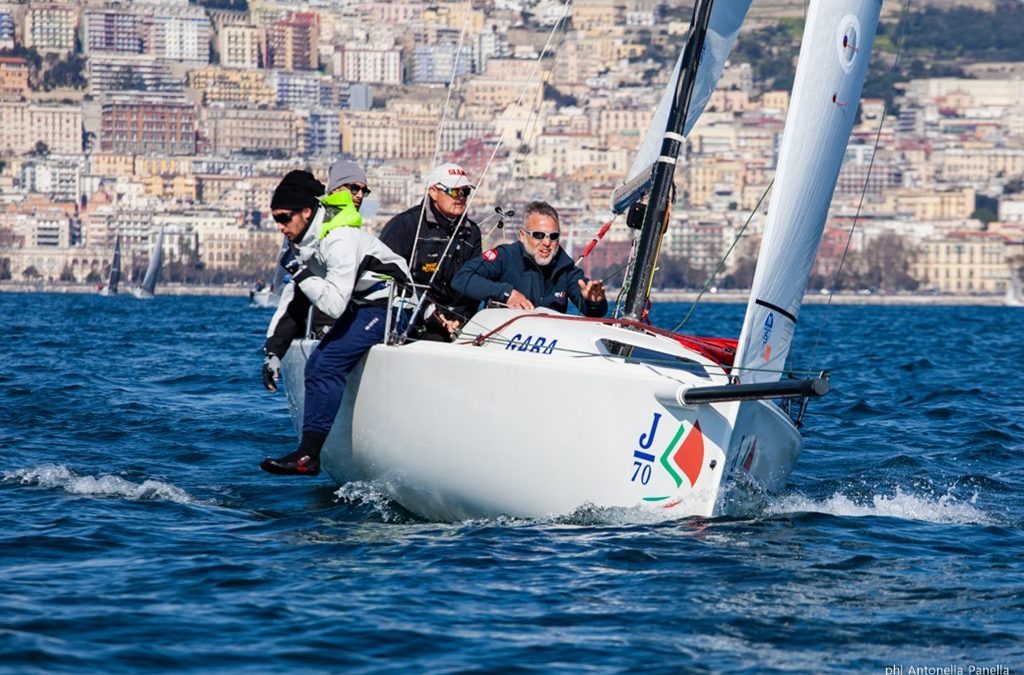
x,y
684,457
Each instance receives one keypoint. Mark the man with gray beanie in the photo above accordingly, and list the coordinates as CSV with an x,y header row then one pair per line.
x,y
347,174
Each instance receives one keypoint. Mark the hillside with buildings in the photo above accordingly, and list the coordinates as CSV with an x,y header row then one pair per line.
x,y
117,118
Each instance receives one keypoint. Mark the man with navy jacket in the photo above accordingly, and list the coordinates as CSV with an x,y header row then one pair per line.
x,y
533,272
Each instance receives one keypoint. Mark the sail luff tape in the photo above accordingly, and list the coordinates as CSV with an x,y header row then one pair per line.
x,y
673,136
666,159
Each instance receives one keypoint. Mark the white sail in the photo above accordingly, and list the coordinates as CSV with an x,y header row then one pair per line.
x,y
156,259
723,26
826,93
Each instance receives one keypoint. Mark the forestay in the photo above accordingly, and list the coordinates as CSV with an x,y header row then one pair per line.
x,y
723,26
826,93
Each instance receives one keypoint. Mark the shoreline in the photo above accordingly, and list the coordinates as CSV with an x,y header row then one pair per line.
x,y
724,297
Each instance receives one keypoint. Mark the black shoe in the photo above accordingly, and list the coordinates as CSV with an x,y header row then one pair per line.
x,y
298,463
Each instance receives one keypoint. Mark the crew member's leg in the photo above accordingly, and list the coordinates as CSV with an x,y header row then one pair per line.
x,y
327,369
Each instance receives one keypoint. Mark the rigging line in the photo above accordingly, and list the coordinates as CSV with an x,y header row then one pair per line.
x,y
558,30
863,192
437,143
721,263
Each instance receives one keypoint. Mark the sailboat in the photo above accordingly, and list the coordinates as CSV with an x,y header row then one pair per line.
x,y
535,414
115,270
270,295
156,258
1014,291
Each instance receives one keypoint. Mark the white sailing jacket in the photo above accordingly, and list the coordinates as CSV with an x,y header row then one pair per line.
x,y
346,265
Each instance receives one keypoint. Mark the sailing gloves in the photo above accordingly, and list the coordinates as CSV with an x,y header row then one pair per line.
x,y
271,371
294,266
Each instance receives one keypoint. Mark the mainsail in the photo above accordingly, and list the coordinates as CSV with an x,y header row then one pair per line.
x,y
826,93
115,268
723,26
156,259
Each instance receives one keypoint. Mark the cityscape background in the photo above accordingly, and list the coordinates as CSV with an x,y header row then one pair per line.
x,y
117,118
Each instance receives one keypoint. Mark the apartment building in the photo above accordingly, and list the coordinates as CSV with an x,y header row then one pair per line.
x,y
25,125
255,130
236,86
930,205
117,30
293,43
13,77
241,46
51,27
182,34
387,134
369,65
963,262
150,123
7,32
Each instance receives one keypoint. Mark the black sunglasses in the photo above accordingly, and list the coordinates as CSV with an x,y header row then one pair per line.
x,y
541,236
353,188
284,218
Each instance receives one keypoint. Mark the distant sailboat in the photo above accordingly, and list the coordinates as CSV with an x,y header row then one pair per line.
x,y
156,260
270,296
115,270
1014,292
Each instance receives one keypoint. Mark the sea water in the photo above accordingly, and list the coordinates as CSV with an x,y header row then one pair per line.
x,y
140,535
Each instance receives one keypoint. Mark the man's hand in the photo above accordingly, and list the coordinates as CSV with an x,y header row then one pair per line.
x,y
517,300
271,372
450,325
593,290
290,262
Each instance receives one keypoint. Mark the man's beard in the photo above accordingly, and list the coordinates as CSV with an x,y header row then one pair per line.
x,y
542,261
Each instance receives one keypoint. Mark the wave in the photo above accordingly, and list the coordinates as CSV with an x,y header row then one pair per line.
x,y
945,509
59,476
374,496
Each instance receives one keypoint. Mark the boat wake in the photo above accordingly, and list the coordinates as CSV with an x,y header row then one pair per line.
x,y
945,509
372,495
61,477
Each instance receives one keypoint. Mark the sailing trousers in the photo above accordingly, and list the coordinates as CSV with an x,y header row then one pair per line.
x,y
355,331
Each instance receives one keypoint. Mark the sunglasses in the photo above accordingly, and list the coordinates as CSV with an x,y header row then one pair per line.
x,y
455,193
353,188
541,236
284,218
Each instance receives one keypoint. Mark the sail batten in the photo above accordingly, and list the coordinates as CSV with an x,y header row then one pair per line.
x,y
723,27
826,93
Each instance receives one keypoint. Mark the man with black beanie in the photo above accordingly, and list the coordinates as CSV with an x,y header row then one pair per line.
x,y
338,267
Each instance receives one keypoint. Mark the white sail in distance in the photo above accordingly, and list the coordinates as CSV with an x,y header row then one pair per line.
x,y
723,26
826,94
156,259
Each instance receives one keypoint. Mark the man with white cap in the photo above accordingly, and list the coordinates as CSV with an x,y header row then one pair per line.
x,y
443,219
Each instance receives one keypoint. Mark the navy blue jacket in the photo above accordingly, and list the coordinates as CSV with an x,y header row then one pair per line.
x,y
500,270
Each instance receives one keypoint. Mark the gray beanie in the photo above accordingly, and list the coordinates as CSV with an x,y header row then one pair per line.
x,y
343,172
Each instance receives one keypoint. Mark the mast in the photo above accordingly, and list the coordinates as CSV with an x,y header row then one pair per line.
x,y
656,214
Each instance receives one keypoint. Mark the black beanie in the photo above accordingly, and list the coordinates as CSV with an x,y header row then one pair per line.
x,y
297,190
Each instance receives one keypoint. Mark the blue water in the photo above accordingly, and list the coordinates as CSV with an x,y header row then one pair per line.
x,y
140,535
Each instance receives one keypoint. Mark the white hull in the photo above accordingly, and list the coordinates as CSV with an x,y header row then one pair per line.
x,y
264,298
142,294
514,427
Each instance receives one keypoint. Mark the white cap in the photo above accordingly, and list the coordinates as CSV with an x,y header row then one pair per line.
x,y
449,176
